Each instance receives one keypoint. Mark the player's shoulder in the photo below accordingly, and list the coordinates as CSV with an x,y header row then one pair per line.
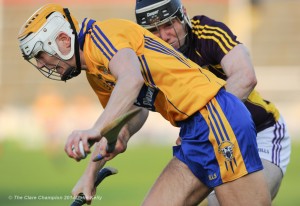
x,y
116,21
117,26
202,20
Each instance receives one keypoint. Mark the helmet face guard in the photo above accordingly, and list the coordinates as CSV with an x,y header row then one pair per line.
x,y
39,34
151,14
47,71
51,72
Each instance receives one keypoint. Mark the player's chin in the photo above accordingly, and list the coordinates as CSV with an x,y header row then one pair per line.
x,y
175,45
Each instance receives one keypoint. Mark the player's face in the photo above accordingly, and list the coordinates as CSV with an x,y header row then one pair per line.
x,y
172,32
52,63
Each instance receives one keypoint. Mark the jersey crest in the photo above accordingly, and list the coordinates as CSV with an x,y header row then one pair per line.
x,y
107,84
226,149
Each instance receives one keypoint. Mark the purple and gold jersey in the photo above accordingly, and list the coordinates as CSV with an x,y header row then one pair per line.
x,y
174,86
209,42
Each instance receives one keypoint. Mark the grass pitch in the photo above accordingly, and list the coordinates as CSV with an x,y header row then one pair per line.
x,y
36,177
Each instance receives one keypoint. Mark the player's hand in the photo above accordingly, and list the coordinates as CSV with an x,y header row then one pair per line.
x,y
121,146
72,144
85,185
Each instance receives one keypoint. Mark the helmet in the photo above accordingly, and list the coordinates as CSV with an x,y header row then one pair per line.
x,y
41,30
151,13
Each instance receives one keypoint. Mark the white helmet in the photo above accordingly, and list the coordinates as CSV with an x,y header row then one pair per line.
x,y
39,34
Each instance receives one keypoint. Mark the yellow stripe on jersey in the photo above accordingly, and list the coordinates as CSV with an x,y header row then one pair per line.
x,y
198,53
255,99
206,31
216,40
197,25
85,24
221,134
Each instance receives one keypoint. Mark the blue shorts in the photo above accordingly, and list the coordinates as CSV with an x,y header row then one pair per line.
x,y
218,143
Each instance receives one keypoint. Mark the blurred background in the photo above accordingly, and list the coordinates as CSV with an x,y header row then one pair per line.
x,y
37,114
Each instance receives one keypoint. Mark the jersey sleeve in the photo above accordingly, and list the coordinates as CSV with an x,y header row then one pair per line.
x,y
215,38
112,35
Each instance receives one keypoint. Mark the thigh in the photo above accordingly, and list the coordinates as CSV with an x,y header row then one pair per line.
x,y
176,186
273,176
248,190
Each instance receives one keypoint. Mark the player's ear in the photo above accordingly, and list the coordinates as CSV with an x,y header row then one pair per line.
x,y
63,40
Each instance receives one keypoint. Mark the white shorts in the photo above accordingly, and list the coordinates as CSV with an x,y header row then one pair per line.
x,y
274,144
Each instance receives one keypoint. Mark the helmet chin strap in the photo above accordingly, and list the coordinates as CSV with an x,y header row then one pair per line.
x,y
184,48
69,73
72,71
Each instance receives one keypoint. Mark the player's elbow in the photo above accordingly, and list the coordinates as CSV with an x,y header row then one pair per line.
x,y
138,81
251,81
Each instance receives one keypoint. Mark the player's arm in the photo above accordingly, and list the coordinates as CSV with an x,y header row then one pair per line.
x,y
233,57
85,183
238,68
125,67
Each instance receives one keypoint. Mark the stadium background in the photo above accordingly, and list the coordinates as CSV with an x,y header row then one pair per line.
x,y
37,114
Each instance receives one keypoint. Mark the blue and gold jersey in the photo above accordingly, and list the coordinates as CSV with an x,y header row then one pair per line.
x,y
174,86
209,42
